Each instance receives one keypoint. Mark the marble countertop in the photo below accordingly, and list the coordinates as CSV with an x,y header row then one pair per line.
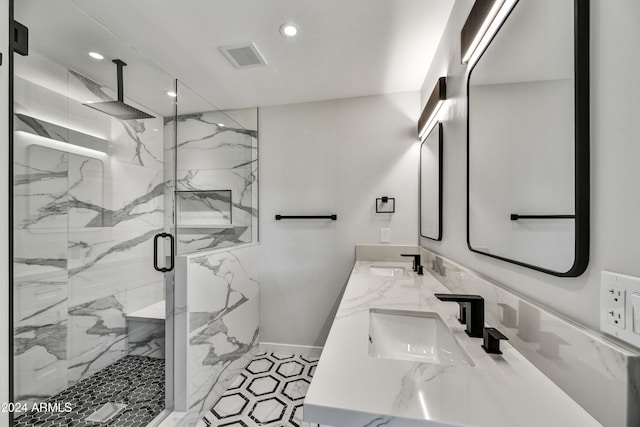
x,y
351,388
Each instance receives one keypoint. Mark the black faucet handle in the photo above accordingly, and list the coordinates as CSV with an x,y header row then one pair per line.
x,y
416,260
491,340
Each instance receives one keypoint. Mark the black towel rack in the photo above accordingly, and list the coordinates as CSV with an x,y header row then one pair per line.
x,y
332,217
515,217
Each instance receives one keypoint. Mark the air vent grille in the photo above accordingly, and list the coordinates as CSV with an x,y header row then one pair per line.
x,y
243,55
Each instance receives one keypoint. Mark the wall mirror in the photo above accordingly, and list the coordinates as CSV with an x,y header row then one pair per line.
x,y
528,139
431,184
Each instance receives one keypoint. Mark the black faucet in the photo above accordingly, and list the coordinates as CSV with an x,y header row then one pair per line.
x,y
473,311
417,264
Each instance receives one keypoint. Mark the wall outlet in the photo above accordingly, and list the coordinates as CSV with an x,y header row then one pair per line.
x,y
618,313
616,317
385,235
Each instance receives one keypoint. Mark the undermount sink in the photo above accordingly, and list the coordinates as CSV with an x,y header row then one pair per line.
x,y
388,270
413,335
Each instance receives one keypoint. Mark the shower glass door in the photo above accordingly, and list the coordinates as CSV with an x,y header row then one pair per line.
x,y
91,191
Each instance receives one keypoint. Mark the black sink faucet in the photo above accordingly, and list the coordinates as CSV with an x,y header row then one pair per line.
x,y
474,311
417,264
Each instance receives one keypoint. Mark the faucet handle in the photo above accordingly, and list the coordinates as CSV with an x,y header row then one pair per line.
x,y
491,340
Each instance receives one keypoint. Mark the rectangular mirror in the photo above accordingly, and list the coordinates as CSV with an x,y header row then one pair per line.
x,y
528,139
431,184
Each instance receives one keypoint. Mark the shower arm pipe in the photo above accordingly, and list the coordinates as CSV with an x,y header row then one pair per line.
x,y
120,79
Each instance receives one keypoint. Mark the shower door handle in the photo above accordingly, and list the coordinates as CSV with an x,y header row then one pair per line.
x,y
172,256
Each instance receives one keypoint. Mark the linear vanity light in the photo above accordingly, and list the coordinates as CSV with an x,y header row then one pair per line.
x,y
60,137
481,24
434,103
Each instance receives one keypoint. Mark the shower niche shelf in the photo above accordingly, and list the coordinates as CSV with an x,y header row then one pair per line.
x,y
204,209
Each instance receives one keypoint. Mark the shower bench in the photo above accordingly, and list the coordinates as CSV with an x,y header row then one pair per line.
x,y
145,331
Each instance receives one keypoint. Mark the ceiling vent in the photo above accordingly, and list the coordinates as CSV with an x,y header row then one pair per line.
x,y
243,55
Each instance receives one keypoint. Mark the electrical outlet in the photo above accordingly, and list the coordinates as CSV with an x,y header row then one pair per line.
x,y
385,235
616,317
615,296
620,306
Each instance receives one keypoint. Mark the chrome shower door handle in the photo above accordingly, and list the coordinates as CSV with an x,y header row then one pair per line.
x,y
172,255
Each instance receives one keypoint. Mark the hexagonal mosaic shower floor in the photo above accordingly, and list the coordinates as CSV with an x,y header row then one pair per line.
x,y
136,381
268,392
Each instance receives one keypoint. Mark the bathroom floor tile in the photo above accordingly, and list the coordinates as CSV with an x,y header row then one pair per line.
x,y
269,392
134,381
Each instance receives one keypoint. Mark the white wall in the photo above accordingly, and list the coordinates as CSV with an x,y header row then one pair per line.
x,y
615,150
321,158
4,209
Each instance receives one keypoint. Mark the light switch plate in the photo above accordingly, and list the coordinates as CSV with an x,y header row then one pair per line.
x,y
385,235
620,306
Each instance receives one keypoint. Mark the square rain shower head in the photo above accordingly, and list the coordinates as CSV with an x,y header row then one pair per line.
x,y
119,110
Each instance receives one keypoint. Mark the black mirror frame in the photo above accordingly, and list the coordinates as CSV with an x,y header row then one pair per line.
x,y
582,154
439,128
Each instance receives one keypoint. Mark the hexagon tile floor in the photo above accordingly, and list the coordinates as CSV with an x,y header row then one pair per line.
x,y
268,392
136,381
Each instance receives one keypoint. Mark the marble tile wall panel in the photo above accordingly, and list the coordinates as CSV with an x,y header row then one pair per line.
x,y
221,326
40,328
215,157
577,359
40,186
85,193
96,336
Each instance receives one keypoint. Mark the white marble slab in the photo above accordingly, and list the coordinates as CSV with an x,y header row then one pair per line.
x,y
577,359
351,388
217,316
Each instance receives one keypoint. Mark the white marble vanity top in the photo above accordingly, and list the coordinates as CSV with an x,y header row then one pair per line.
x,y
351,388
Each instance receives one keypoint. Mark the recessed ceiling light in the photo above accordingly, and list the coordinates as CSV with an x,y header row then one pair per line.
x,y
172,94
96,55
288,30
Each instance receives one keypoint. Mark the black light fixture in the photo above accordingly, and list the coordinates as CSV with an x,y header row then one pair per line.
x,y
483,20
433,105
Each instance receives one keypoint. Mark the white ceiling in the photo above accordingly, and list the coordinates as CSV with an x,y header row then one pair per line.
x,y
345,48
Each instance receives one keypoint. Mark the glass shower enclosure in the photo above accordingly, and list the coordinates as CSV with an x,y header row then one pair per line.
x,y
93,223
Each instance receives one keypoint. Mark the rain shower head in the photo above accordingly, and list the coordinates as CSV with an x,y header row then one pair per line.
x,y
119,109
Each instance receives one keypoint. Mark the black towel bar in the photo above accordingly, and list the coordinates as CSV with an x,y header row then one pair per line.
x,y
331,217
515,217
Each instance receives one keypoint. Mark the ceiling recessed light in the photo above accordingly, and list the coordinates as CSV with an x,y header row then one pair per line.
x,y
288,30
172,94
96,55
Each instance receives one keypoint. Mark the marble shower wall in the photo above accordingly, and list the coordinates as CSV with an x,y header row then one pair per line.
x,y
217,314
83,229
217,171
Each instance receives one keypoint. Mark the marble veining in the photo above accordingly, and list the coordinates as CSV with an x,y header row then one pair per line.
x,y
220,322
83,230
577,359
497,391
212,155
